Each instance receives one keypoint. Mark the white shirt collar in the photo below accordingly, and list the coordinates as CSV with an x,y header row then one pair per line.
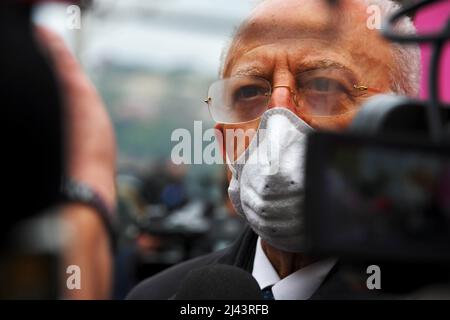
x,y
299,285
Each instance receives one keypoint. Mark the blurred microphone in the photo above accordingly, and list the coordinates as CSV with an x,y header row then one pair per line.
x,y
219,282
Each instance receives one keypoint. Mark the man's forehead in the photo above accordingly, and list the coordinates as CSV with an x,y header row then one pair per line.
x,y
290,19
297,15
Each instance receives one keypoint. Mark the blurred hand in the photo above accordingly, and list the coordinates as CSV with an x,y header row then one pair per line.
x,y
91,158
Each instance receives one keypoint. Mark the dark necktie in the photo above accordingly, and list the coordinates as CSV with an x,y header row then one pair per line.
x,y
267,293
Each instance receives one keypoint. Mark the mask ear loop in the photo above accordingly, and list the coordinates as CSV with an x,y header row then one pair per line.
x,y
230,164
236,165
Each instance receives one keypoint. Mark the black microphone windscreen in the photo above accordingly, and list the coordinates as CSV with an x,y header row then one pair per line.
x,y
219,282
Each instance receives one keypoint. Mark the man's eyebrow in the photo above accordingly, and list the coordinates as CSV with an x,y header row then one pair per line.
x,y
250,70
304,66
322,64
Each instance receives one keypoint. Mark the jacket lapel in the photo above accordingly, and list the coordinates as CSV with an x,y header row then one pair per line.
x,y
242,252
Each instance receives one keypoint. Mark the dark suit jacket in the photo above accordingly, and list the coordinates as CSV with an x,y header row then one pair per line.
x,y
337,285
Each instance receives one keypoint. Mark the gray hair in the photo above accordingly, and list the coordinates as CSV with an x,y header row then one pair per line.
x,y
405,73
405,76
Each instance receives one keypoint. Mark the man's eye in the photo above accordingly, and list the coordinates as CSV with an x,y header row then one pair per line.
x,y
249,92
325,85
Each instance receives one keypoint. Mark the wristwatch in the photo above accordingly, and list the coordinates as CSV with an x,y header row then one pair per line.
x,y
73,191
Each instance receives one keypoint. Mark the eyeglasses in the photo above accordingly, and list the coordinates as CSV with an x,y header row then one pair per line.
x,y
318,93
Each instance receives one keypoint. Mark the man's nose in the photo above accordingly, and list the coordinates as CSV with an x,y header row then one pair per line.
x,y
283,96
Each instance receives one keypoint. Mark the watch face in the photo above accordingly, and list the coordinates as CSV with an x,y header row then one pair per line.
x,y
77,191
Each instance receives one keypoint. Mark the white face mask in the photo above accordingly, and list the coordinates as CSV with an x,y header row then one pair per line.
x,y
266,187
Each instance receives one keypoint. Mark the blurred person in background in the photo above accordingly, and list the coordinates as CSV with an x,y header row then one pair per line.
x,y
170,226
293,66
57,130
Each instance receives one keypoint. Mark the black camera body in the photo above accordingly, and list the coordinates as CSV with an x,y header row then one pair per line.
x,y
379,193
380,190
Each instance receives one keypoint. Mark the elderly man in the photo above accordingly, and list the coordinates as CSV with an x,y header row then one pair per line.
x,y
292,67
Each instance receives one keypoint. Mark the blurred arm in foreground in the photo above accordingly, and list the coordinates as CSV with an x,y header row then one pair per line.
x,y
90,155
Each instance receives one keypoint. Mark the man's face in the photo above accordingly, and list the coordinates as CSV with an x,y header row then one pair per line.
x,y
283,38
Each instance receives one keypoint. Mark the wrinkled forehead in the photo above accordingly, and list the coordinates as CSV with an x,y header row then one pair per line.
x,y
281,18
343,26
